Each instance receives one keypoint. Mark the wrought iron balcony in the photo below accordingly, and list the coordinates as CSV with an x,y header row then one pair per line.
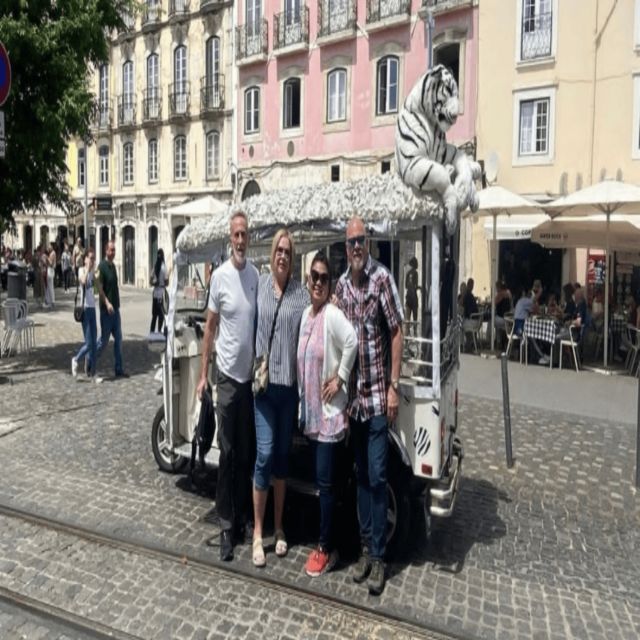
x,y
251,40
103,117
336,16
212,94
151,105
151,14
536,36
129,28
179,100
378,10
178,9
209,6
127,110
441,6
291,28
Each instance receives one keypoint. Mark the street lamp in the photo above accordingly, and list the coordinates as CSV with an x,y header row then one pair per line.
x,y
86,195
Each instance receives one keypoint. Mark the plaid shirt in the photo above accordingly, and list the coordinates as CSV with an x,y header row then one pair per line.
x,y
375,311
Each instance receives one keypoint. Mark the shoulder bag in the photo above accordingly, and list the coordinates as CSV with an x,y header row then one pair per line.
x,y
261,363
78,309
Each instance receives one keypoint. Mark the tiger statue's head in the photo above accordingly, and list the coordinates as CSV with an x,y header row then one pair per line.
x,y
440,97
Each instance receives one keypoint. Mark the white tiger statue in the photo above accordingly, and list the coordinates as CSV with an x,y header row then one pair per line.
x,y
425,161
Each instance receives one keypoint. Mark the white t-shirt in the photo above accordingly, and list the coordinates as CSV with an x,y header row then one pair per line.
x,y
233,296
158,289
523,309
89,296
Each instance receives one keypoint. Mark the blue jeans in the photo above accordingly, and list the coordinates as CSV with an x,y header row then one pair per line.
x,y
275,412
324,456
110,326
370,446
90,331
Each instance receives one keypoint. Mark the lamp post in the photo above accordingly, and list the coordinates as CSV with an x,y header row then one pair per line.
x,y
86,195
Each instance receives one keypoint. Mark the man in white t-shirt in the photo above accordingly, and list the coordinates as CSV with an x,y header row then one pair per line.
x,y
232,309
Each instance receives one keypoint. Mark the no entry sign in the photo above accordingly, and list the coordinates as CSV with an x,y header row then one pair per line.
x,y
5,75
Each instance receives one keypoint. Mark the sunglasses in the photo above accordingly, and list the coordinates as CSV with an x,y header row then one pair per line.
x,y
360,240
322,278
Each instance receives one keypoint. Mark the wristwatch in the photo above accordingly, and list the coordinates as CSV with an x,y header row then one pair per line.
x,y
394,383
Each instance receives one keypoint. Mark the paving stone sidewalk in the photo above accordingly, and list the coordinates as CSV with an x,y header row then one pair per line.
x,y
549,549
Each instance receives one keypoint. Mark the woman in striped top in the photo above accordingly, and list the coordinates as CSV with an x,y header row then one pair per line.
x,y
276,408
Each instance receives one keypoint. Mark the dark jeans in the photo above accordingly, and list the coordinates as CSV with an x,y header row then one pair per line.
x,y
157,312
324,456
90,330
110,325
370,447
66,276
236,444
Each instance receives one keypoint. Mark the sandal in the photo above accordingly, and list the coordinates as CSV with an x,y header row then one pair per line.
x,y
281,544
259,559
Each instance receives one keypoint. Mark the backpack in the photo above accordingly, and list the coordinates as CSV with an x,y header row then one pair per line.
x,y
203,437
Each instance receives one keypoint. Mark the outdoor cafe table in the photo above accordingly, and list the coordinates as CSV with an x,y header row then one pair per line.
x,y
544,329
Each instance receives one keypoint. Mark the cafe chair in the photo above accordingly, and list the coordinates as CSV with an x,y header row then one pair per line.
x,y
472,325
19,330
571,342
631,341
509,325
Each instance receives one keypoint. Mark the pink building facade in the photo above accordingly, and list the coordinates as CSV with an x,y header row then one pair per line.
x,y
320,84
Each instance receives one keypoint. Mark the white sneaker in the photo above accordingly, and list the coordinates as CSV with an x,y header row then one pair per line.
x,y
97,379
543,360
74,367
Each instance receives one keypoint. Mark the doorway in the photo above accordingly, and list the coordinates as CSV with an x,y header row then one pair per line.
x,y
129,252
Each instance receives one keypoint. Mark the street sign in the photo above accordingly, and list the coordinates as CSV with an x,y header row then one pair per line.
x,y
5,75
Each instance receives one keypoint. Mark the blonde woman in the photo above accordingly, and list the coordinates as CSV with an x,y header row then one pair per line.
x,y
281,301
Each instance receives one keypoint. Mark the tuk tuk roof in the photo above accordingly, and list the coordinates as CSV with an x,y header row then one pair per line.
x,y
316,213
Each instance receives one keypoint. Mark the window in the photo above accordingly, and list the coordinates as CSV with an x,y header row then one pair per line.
x,y
153,73
127,164
291,103
81,167
180,86
252,110
335,173
385,166
180,158
536,26
103,165
449,55
152,161
533,126
213,155
212,61
103,95
253,16
337,95
387,86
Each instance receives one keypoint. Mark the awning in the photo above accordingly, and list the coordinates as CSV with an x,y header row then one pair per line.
x,y
578,232
513,227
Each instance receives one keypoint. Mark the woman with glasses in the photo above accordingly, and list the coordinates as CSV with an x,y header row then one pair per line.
x,y
326,353
281,301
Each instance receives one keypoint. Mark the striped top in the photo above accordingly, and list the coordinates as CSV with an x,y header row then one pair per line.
x,y
284,348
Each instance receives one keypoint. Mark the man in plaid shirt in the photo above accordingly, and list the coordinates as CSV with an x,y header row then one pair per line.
x,y
368,296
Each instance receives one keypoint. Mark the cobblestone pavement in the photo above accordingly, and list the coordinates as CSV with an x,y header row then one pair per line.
x,y
549,549
15,624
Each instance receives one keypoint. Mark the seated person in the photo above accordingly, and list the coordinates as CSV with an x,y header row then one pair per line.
x,y
569,304
527,305
553,308
469,303
633,317
503,303
582,311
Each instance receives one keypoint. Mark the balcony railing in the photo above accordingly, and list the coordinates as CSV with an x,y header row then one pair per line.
x,y
178,8
335,16
536,36
127,110
179,99
291,28
378,10
251,39
151,105
439,6
151,14
103,117
207,6
212,94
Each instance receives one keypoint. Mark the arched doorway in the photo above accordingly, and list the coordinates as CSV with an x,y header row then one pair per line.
x,y
153,246
129,253
252,188
44,235
28,238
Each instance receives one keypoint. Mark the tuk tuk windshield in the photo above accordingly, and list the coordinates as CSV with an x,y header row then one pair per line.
x,y
193,287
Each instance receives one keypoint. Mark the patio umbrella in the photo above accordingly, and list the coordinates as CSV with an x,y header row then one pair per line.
x,y
497,201
604,199
206,206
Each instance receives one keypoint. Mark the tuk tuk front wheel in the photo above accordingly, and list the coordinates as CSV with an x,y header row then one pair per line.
x,y
166,460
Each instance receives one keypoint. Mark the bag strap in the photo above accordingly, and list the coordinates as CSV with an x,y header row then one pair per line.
x,y
275,316
75,300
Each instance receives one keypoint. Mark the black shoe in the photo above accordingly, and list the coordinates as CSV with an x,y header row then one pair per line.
x,y
376,578
226,545
122,374
241,533
363,567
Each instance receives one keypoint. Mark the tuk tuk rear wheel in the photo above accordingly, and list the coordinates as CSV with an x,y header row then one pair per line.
x,y
165,459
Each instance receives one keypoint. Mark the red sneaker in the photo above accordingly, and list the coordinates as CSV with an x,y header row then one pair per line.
x,y
319,562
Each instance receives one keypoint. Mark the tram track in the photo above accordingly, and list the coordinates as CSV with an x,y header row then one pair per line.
x,y
217,570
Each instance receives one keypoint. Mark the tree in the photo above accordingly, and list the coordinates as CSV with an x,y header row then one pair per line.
x,y
52,45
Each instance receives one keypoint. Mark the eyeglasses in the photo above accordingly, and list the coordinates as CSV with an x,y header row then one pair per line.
x,y
322,278
281,251
360,240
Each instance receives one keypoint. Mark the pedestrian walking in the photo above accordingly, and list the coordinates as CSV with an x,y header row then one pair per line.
x,y
77,257
231,316
65,260
368,296
86,281
327,351
36,265
49,295
281,301
110,321
159,282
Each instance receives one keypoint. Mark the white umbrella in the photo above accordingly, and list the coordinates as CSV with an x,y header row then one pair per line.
x,y
206,206
605,198
587,232
497,201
